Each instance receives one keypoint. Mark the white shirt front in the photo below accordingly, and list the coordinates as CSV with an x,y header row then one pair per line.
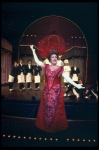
x,y
29,65
75,68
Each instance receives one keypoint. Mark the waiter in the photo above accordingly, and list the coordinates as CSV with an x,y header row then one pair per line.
x,y
37,70
67,70
21,73
46,61
74,73
29,73
59,61
12,75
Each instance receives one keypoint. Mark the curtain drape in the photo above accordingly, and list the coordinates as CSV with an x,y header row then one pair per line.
x,y
6,63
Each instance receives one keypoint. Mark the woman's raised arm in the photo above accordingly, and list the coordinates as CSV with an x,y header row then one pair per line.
x,y
36,58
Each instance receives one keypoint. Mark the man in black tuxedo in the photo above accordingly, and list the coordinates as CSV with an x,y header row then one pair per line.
x,y
12,75
29,73
21,73
74,73
37,70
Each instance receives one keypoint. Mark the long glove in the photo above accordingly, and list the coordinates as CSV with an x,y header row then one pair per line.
x,y
35,56
68,79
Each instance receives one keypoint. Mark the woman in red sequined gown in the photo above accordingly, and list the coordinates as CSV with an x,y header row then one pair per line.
x,y
51,115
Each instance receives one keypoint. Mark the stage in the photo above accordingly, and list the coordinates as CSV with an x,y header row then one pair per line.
x,y
27,95
19,112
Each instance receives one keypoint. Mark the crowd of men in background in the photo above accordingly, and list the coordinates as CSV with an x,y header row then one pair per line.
x,y
24,74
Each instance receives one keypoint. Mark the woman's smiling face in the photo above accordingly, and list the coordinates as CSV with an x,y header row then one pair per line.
x,y
53,59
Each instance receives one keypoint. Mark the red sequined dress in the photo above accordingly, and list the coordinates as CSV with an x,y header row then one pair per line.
x,y
51,115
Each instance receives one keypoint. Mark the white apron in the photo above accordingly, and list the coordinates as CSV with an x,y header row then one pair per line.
x,y
28,77
67,70
21,78
11,78
75,77
37,78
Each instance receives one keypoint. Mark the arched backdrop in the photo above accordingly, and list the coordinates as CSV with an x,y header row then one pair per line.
x,y
76,43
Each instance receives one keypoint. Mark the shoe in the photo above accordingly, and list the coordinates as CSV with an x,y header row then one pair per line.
x,y
36,89
68,95
10,90
65,94
86,97
29,88
23,88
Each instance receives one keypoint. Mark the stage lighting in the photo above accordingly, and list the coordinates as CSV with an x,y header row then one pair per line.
x,y
24,137
51,139
45,139
35,138
9,136
14,136
73,140
19,137
94,140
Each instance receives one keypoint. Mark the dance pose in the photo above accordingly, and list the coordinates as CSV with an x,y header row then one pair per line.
x,y
12,75
67,70
37,70
92,92
21,73
79,93
51,115
29,73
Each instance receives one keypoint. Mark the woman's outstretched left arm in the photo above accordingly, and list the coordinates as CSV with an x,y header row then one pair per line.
x,y
68,79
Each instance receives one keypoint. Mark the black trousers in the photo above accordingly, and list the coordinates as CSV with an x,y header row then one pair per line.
x,y
36,85
92,96
28,85
21,85
10,85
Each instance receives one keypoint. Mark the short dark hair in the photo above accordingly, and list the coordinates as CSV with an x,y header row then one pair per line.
x,y
53,51
15,62
29,60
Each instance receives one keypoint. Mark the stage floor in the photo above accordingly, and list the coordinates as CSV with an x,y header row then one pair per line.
x,y
18,127
22,132
28,94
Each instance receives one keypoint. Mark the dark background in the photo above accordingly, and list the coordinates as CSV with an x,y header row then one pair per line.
x,y
17,16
